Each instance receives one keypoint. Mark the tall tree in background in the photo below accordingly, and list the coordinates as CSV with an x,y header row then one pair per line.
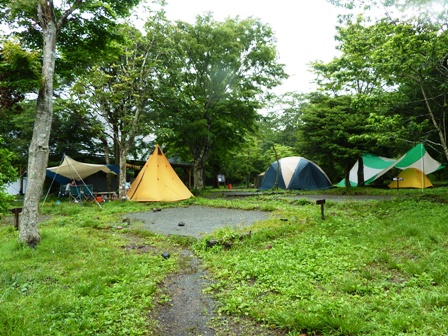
x,y
415,60
216,80
328,130
398,70
19,76
421,5
118,89
52,23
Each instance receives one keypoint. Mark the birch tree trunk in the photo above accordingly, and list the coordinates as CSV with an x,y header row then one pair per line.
x,y
440,128
122,176
39,146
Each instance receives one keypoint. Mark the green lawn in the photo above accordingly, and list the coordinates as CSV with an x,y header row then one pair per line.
x,y
372,268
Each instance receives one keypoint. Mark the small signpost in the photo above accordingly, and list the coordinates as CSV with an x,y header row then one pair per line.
x,y
398,179
321,202
16,212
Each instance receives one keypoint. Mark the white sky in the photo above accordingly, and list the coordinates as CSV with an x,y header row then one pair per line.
x,y
304,29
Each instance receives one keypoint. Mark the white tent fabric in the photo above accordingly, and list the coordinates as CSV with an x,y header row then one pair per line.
x,y
288,168
76,170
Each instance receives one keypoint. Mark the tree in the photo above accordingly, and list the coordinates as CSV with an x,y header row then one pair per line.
x,y
327,135
19,76
118,89
408,62
400,4
425,71
52,23
218,72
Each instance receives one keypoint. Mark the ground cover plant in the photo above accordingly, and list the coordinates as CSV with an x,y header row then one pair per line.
x,y
369,268
87,277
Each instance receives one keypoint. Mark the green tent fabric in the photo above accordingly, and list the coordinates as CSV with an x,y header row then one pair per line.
x,y
376,166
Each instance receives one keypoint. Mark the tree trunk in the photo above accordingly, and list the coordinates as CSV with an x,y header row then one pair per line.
x,y
440,128
107,159
361,182
198,175
122,177
38,150
347,168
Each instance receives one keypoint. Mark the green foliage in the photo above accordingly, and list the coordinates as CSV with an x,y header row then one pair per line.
x,y
404,95
326,134
7,174
19,75
19,68
115,94
217,75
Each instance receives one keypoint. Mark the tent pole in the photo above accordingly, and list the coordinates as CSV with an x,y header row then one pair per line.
x,y
423,166
52,181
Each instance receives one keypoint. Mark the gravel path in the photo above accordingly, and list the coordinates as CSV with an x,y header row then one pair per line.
x,y
198,220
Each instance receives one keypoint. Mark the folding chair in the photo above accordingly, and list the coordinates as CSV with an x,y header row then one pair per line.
x,y
75,193
87,192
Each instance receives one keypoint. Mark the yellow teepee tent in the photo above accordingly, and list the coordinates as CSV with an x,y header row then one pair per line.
x,y
158,182
411,178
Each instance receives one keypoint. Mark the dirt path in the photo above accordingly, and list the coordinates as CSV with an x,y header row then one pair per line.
x,y
191,312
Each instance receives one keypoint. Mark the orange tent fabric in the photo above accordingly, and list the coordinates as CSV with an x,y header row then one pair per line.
x,y
158,182
412,178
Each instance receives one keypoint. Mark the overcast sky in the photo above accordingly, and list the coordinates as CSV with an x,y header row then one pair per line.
x,y
304,29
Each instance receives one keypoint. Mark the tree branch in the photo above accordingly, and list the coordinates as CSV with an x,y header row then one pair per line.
x,y
63,19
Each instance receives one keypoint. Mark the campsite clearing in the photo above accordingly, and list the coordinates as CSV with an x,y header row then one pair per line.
x,y
370,268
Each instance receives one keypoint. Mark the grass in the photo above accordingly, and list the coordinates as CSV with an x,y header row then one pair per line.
x,y
371,268
375,268
83,279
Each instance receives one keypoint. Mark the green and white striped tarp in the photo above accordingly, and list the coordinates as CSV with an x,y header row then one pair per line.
x,y
376,166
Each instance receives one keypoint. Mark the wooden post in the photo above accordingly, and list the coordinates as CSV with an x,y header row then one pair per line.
x,y
398,179
16,212
321,202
